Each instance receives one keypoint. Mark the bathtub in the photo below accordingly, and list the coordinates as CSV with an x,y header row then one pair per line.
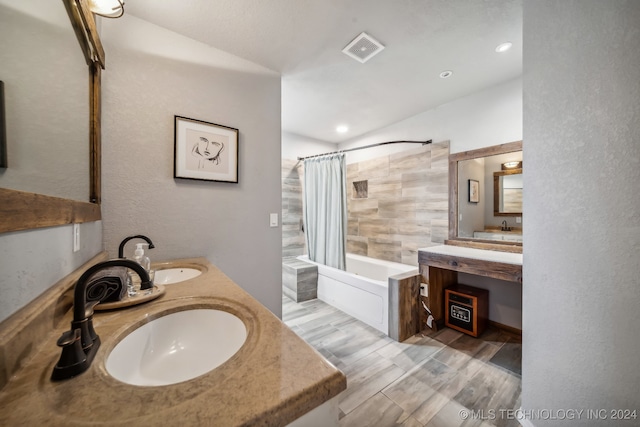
x,y
363,290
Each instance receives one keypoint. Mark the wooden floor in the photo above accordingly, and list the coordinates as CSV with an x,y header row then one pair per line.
x,y
429,380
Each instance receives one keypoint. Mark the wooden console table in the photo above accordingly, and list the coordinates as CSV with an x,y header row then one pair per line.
x,y
439,267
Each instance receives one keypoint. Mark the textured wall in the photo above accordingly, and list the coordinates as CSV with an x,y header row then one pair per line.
x,y
406,206
152,75
582,168
32,261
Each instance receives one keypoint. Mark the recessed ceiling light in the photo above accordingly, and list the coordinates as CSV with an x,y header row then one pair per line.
x,y
503,47
446,74
342,129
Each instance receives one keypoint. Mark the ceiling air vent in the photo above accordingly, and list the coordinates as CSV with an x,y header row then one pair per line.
x,y
363,48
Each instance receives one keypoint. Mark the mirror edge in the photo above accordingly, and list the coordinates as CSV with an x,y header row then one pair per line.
x,y
454,158
22,210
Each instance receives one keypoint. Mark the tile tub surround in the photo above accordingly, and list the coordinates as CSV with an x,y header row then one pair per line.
x,y
299,279
406,207
293,239
273,379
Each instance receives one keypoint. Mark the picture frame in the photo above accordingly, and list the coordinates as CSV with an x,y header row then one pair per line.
x,y
3,129
205,151
474,191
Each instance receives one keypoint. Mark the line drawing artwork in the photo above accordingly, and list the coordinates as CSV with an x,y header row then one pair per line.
x,y
207,151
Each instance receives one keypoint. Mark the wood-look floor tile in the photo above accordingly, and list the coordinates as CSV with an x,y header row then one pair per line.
x,y
448,416
430,407
444,335
364,368
376,411
354,396
425,380
416,353
509,357
481,388
452,357
408,392
468,345
411,422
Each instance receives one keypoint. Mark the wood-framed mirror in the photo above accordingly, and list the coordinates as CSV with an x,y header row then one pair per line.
x,y
507,192
472,222
23,210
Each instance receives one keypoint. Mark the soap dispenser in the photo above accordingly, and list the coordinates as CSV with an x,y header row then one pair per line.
x,y
139,257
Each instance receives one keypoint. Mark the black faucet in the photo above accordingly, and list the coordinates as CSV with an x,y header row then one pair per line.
x,y
80,343
126,239
505,227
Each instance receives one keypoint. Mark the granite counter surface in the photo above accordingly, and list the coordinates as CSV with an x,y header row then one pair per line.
x,y
272,380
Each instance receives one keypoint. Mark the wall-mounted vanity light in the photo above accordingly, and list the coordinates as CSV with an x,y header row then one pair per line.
x,y
107,8
512,165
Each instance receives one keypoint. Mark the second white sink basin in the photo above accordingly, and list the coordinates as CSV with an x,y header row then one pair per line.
x,y
175,275
177,347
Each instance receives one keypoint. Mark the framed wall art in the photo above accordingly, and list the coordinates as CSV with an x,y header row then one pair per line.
x,y
3,130
205,151
474,191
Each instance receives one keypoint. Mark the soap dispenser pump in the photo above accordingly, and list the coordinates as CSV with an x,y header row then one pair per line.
x,y
140,258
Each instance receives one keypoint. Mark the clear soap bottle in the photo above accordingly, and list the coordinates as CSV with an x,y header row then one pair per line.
x,y
140,257
145,262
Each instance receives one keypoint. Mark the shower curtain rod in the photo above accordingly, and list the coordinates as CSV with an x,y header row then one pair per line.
x,y
368,146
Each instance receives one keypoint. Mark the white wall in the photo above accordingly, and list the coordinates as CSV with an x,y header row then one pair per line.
x,y
582,156
294,146
490,117
153,74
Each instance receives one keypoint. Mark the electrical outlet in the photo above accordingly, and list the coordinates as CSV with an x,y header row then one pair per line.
x,y
518,220
424,289
76,237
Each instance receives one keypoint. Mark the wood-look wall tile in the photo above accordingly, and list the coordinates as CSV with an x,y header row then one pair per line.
x,y
404,207
373,168
414,159
369,227
352,171
439,230
389,250
410,227
362,208
440,155
357,245
438,181
352,226
386,187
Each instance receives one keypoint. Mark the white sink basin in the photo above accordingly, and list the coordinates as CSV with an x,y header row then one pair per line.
x,y
176,347
175,275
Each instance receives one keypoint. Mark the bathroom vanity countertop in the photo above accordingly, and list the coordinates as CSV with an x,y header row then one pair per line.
x,y
473,253
272,380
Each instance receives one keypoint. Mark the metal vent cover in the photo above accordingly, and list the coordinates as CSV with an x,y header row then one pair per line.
x,y
363,48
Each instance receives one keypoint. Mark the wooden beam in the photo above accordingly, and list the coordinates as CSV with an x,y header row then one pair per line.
x,y
20,210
